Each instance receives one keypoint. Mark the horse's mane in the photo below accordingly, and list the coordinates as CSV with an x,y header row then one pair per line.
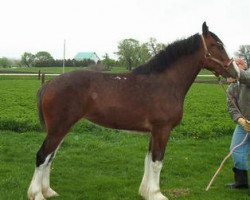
x,y
169,55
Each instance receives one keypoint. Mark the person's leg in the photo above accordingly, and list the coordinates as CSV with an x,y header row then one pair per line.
x,y
240,155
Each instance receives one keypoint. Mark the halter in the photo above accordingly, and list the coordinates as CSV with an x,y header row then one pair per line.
x,y
208,55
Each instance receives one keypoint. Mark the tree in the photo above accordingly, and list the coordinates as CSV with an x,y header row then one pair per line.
x,y
108,62
5,62
143,54
244,52
126,52
28,59
44,56
131,53
154,47
43,59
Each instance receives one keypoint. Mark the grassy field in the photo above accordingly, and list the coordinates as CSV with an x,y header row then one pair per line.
x,y
108,165
59,70
52,70
104,164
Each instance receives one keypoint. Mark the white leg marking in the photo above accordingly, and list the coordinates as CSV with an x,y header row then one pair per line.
x,y
150,186
46,190
35,189
46,178
144,182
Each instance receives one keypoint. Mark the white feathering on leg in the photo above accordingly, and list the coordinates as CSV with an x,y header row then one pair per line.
x,y
144,183
35,189
46,190
150,186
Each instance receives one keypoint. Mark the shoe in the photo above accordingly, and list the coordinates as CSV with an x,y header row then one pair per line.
x,y
241,180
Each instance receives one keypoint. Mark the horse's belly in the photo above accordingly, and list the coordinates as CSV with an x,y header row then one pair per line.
x,y
119,120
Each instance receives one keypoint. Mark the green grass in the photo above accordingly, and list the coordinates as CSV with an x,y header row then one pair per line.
x,y
18,104
205,72
108,165
118,70
54,70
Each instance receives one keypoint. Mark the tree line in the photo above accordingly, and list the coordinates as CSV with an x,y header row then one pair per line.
x,y
44,59
131,53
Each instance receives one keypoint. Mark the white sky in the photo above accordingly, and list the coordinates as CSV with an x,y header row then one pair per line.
x,y
98,25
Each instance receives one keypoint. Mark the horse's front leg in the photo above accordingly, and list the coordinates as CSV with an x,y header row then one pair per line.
x,y
150,185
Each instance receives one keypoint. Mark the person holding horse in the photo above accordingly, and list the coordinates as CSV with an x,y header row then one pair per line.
x,y
238,101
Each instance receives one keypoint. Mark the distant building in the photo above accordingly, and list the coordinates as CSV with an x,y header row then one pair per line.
x,y
87,55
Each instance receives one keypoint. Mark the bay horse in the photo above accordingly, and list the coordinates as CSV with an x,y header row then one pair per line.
x,y
150,98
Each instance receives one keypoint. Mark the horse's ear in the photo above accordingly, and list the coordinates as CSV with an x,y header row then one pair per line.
x,y
205,30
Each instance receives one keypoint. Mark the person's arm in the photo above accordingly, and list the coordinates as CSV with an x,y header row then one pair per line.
x,y
244,77
232,105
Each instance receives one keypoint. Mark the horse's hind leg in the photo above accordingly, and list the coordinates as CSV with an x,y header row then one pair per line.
x,y
150,185
40,185
46,189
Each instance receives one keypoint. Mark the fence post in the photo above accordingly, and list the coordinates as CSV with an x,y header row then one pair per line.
x,y
39,74
43,78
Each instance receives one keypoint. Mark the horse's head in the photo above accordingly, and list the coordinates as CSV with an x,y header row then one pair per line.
x,y
216,58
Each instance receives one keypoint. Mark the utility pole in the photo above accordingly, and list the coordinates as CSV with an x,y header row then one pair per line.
x,y
64,45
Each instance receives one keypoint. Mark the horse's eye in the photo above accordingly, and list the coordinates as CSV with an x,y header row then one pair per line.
x,y
220,45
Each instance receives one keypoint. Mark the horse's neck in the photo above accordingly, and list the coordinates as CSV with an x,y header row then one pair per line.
x,y
184,73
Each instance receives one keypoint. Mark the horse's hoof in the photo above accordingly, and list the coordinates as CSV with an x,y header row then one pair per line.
x,y
50,193
154,196
37,196
158,196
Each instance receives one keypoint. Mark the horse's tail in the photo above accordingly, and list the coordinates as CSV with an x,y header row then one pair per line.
x,y
40,94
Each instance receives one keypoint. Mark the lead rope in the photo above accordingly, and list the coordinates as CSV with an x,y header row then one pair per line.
x,y
230,153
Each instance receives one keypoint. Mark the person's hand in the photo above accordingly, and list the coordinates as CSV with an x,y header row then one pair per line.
x,y
241,63
247,127
234,71
244,123
231,80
